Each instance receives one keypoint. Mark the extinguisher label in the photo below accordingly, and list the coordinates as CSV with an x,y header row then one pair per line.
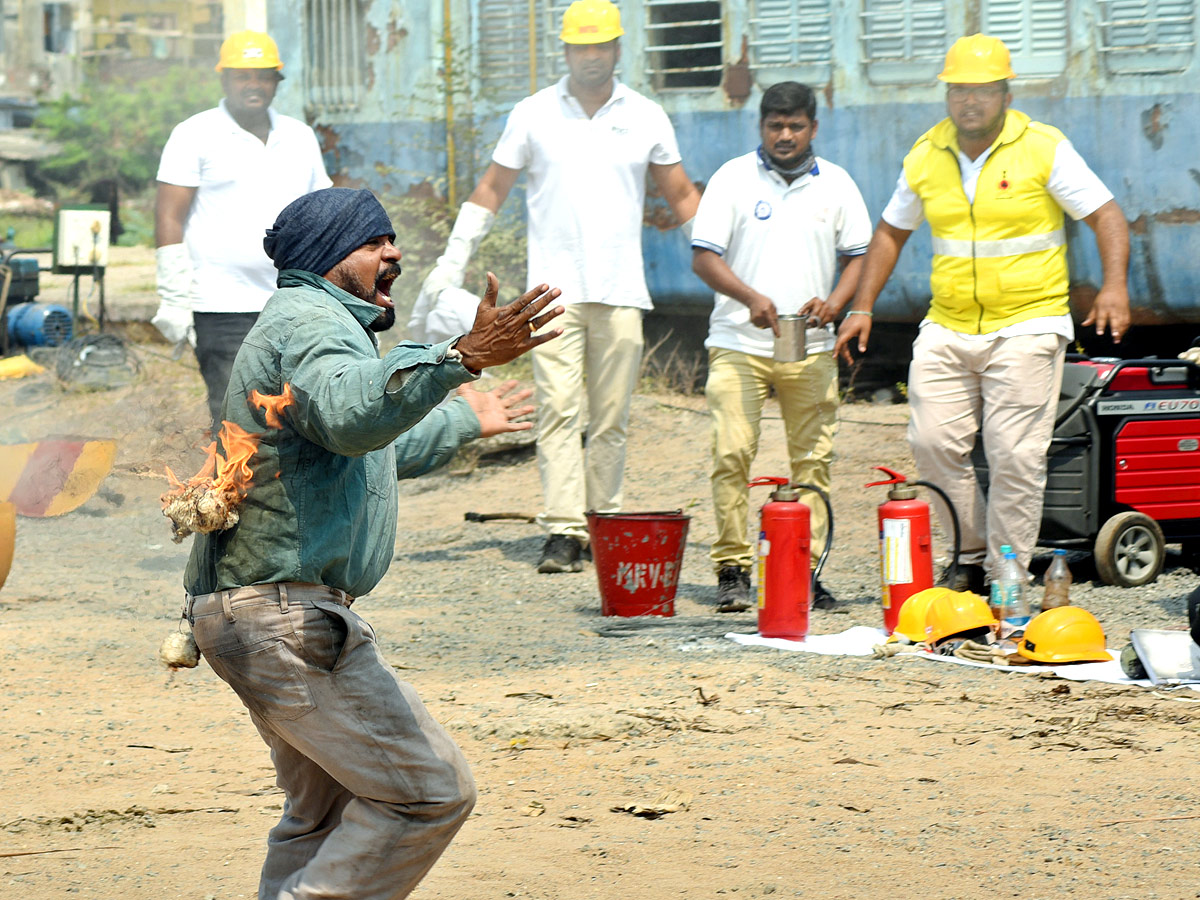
x,y
764,550
895,551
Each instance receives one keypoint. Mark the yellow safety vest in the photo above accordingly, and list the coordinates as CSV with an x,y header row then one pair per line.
x,y
1002,259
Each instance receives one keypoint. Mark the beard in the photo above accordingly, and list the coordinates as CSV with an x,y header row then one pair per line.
x,y
387,318
349,281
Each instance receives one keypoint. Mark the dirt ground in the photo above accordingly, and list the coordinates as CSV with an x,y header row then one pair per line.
x,y
804,776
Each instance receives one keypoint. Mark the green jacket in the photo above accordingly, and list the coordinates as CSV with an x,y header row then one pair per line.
x,y
322,504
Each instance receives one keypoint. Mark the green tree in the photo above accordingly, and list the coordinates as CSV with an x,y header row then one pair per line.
x,y
116,129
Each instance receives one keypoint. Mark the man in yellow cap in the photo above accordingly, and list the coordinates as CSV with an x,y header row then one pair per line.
x,y
224,176
587,144
993,185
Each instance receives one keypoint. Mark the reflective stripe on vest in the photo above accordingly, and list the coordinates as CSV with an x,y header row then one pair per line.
x,y
1029,243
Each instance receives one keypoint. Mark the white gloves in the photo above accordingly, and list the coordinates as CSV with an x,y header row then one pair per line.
x,y
471,226
175,290
1192,355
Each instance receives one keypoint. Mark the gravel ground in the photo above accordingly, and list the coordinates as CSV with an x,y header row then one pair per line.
x,y
802,776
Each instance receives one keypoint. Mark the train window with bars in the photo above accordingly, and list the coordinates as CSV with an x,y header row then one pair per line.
x,y
903,41
502,47
335,59
1035,32
795,35
683,43
503,42
1147,36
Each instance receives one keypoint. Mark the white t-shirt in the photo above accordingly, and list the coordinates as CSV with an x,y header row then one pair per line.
x,y
586,189
1072,184
242,185
781,239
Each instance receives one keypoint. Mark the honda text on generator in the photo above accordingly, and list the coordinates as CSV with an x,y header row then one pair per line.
x,y
1124,464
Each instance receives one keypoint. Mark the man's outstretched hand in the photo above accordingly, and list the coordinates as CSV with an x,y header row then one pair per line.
x,y
498,409
501,334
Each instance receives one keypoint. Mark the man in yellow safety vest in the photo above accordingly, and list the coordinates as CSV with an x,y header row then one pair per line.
x,y
993,185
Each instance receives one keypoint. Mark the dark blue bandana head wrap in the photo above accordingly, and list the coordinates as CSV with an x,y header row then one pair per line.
x,y
319,230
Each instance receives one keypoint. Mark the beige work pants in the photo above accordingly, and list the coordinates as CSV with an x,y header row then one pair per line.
x,y
374,788
737,387
1008,389
597,357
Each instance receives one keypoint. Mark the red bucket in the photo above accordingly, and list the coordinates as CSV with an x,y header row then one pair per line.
x,y
637,557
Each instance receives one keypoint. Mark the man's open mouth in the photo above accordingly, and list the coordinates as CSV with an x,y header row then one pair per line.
x,y
383,287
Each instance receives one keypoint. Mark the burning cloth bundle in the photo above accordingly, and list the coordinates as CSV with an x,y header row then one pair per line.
x,y
208,501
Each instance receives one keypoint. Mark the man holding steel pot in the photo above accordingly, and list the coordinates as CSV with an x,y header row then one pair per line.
x,y
767,239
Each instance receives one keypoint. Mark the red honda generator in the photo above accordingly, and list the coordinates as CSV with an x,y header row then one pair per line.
x,y
1124,464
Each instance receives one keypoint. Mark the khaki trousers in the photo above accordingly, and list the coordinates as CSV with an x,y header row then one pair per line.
x,y
597,357
737,387
1008,389
375,788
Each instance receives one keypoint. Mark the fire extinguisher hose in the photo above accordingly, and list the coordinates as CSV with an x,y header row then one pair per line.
x,y
816,574
952,571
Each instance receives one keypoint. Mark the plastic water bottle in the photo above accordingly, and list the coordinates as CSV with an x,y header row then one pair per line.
x,y
996,597
1058,582
1013,601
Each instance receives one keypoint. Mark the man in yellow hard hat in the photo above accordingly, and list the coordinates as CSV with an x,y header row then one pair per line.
x,y
587,144
994,186
224,175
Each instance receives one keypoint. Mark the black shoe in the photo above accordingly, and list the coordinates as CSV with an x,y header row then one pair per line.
x,y
968,578
561,553
733,589
822,599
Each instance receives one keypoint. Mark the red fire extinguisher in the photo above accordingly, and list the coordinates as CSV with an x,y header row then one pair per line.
x,y
906,544
785,576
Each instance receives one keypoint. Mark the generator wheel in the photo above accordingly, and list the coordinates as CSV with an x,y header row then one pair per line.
x,y
1130,550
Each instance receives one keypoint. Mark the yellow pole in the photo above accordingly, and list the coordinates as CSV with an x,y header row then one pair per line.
x,y
533,33
448,67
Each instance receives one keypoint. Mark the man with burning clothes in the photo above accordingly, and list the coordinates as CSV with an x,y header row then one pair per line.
x,y
994,186
375,788
224,175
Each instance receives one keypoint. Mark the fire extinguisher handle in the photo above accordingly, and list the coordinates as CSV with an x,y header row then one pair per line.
x,y
897,477
768,481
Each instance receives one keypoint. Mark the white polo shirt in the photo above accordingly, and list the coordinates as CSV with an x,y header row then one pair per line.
x,y
242,185
1072,184
781,239
586,189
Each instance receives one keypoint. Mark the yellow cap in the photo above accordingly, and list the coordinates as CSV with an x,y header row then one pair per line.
x,y
911,622
1064,634
249,50
954,613
977,59
591,22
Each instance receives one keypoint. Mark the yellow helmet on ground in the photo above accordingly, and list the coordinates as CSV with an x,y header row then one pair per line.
x,y
1065,634
911,622
977,59
591,22
956,612
249,50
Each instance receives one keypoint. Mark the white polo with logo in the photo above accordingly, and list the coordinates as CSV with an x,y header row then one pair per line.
x,y
781,239
586,188
241,185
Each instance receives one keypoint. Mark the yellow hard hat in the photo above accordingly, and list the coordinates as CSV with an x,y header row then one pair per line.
x,y
956,612
911,622
249,50
591,22
977,59
1064,634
